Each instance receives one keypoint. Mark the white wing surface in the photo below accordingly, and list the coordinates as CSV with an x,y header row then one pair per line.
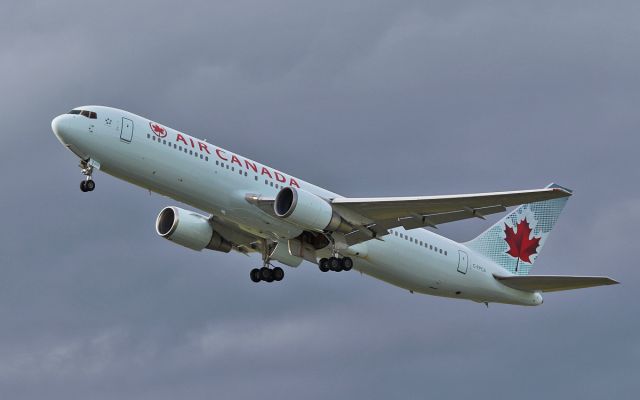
x,y
373,217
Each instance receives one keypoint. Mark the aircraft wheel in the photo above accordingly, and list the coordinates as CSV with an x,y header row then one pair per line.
x,y
83,186
347,264
334,264
90,185
255,275
324,264
278,274
266,274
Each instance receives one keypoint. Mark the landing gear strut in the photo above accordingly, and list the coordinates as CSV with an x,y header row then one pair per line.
x,y
265,273
87,185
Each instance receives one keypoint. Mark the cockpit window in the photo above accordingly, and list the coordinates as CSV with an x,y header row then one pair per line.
x,y
84,113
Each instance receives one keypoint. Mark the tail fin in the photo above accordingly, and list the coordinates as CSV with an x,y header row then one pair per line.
x,y
515,241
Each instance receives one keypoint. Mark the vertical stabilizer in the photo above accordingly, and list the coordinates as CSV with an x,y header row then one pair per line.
x,y
516,240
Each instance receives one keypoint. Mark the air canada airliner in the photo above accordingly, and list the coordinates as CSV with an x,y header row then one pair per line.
x,y
251,207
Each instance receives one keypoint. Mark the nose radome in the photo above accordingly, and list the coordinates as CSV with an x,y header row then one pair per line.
x,y
59,125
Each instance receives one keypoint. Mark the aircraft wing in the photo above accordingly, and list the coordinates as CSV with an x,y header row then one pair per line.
x,y
553,283
375,216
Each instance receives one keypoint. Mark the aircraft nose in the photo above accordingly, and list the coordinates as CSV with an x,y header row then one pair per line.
x,y
60,127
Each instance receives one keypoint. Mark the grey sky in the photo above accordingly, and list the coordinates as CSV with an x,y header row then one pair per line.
x,y
365,98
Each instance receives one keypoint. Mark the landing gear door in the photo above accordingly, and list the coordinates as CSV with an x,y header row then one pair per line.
x,y
126,130
463,262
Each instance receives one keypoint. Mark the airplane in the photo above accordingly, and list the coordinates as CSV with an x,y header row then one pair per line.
x,y
253,208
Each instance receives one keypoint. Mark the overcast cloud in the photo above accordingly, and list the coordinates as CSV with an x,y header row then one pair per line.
x,y
365,98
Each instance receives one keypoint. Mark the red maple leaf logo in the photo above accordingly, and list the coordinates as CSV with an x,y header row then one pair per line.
x,y
521,246
158,129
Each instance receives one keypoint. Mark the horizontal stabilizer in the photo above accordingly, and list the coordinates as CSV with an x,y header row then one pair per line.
x,y
553,283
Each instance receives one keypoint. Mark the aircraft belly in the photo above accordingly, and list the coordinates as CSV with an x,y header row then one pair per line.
x,y
390,261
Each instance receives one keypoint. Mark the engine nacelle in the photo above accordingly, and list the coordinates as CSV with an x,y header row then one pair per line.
x,y
189,229
308,211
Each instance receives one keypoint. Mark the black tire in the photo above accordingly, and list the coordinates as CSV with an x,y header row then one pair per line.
x,y
266,274
324,265
347,264
278,274
83,186
255,275
90,185
334,264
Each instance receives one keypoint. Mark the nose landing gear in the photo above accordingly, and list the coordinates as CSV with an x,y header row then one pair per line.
x,y
87,185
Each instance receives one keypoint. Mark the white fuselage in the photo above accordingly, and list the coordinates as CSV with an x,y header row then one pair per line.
x,y
216,180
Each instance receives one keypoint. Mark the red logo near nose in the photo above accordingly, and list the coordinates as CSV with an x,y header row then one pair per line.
x,y
158,130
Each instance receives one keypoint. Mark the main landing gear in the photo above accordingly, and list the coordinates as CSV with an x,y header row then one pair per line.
x,y
335,264
87,185
265,273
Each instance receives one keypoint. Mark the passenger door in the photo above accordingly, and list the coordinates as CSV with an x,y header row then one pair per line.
x,y
463,262
126,130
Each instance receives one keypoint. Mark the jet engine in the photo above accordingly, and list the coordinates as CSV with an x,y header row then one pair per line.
x,y
190,229
308,211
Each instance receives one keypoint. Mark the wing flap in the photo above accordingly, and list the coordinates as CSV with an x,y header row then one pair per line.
x,y
553,283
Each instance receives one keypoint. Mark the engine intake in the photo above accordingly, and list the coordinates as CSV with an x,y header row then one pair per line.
x,y
190,229
308,211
